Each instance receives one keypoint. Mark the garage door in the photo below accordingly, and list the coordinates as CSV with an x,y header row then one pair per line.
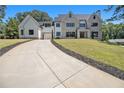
x,y
47,35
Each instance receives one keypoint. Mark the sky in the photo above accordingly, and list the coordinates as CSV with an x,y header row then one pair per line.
x,y
54,10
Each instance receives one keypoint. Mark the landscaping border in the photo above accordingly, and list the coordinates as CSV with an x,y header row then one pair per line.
x,y
104,67
6,49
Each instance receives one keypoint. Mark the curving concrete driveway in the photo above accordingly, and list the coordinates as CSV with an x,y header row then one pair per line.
x,y
40,64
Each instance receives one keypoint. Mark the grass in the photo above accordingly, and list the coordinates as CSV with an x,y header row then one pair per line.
x,y
9,42
109,54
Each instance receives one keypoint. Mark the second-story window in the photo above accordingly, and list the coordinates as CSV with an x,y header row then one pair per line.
x,y
47,25
94,24
82,23
94,17
57,24
70,24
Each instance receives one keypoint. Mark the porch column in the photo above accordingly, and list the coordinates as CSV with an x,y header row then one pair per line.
x,y
88,34
78,34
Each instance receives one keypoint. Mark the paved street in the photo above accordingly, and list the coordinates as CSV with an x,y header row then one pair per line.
x,y
40,64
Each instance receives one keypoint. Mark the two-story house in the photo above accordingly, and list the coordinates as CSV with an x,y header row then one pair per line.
x,y
65,26
78,26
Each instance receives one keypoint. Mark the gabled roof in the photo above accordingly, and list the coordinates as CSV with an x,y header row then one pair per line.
x,y
26,19
78,16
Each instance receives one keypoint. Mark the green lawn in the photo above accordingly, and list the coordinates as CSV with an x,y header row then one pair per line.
x,y
109,54
9,42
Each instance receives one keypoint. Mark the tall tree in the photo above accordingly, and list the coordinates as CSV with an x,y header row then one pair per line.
x,y
2,12
118,12
112,31
36,14
12,28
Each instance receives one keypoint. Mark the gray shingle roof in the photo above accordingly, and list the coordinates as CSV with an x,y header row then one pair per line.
x,y
78,16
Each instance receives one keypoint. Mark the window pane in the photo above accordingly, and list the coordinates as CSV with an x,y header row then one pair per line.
x,y
70,34
94,17
94,24
58,33
47,24
22,32
31,32
70,24
57,24
82,25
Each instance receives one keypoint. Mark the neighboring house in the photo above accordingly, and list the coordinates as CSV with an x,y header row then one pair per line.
x,y
30,28
78,26
65,26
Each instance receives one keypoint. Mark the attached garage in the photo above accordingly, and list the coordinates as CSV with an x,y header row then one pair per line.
x,y
47,35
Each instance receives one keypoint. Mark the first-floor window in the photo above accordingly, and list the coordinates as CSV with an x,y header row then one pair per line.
x,y
70,34
58,33
22,32
94,34
31,32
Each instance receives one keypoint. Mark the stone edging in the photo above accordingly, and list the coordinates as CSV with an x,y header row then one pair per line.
x,y
5,49
104,67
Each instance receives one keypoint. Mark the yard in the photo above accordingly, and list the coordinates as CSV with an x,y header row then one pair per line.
x,y
9,42
110,54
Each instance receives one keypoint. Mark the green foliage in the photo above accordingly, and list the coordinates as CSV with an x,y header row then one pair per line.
x,y
3,12
2,30
112,31
36,14
118,12
12,28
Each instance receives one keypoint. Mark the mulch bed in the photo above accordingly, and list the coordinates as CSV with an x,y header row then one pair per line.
x,y
104,67
6,49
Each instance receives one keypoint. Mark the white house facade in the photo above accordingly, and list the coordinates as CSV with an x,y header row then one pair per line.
x,y
30,28
78,26
65,26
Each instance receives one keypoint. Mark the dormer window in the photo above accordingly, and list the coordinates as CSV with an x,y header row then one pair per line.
x,y
82,23
94,17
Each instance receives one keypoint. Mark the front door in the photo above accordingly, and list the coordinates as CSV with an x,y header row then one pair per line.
x,y
81,34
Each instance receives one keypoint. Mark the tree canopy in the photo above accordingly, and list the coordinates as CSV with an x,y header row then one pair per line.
x,y
118,12
12,28
36,14
3,9
112,31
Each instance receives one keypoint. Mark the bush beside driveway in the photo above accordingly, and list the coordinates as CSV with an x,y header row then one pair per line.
x,y
7,44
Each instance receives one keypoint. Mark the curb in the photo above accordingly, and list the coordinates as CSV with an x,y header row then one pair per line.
x,y
97,64
6,49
